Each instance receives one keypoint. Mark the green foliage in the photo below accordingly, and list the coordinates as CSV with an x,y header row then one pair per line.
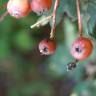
x,y
23,40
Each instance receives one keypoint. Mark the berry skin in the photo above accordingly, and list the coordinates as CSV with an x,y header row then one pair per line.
x,y
18,8
81,48
47,47
41,6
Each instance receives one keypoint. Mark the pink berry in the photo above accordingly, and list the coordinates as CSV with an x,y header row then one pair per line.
x,y
40,6
81,48
18,8
47,47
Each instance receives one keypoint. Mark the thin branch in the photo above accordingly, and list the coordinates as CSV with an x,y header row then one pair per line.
x,y
54,19
38,23
79,17
3,16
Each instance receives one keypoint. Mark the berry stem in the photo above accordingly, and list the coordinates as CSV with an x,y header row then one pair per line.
x,y
3,16
38,23
79,17
54,19
3,6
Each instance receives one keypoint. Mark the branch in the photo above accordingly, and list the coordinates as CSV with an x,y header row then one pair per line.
x,y
3,16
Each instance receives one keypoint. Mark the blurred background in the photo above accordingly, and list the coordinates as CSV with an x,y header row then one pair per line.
x,y
25,72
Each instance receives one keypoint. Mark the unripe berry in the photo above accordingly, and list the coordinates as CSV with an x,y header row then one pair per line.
x,y
81,48
47,47
40,6
18,8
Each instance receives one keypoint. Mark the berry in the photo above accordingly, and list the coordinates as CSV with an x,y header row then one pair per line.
x,y
47,47
81,48
18,8
40,6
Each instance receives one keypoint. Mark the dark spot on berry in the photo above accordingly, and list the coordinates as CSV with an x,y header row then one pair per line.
x,y
78,49
43,10
47,40
40,13
45,49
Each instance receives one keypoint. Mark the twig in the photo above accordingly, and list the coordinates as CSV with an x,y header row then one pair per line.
x,y
3,16
54,19
38,23
79,17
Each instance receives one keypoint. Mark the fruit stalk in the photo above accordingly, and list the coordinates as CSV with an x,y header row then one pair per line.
x,y
79,17
54,19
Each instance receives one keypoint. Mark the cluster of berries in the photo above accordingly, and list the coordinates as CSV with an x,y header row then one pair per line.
x,y
81,48
21,8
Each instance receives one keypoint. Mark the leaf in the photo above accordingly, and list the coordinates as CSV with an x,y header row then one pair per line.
x,y
57,65
65,6
89,13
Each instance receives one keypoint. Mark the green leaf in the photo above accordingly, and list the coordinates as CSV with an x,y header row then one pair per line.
x,y
65,6
57,64
89,12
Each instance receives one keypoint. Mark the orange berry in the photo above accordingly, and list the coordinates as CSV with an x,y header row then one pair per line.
x,y
18,8
47,47
40,6
81,48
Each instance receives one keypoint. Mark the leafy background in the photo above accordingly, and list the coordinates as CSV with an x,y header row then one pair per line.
x,y
25,72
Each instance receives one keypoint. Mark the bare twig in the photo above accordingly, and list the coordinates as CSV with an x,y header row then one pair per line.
x,y
3,16
54,19
79,17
